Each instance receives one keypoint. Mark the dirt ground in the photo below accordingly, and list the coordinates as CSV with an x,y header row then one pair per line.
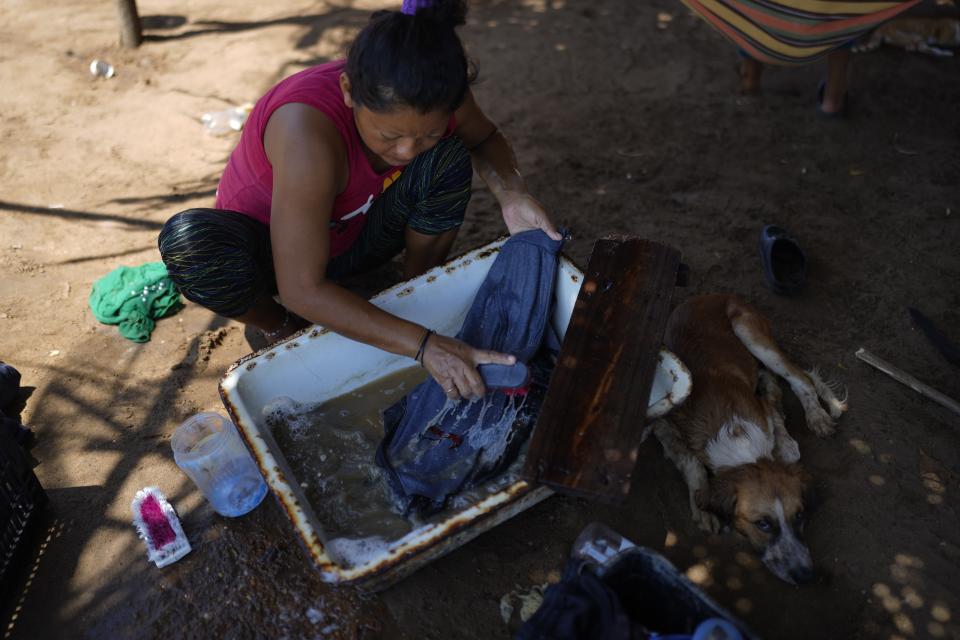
x,y
621,127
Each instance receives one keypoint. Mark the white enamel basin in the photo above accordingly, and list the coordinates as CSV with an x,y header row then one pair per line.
x,y
316,365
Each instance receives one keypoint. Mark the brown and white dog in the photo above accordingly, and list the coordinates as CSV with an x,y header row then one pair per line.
x,y
728,439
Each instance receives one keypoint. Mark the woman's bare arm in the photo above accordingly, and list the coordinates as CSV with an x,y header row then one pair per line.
x,y
495,162
307,154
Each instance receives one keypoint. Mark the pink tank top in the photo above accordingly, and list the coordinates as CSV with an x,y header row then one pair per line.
x,y
247,182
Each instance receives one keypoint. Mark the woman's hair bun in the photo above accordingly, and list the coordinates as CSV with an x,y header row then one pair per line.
x,y
411,57
448,12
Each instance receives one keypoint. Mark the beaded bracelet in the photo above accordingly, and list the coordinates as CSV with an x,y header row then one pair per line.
x,y
271,335
423,345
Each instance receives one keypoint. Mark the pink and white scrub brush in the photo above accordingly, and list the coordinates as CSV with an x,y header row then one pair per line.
x,y
157,523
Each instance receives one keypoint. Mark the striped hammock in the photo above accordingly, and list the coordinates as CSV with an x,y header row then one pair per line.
x,y
791,32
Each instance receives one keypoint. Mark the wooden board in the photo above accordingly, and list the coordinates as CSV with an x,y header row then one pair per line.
x,y
588,431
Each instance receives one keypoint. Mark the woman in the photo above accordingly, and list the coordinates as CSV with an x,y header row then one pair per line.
x,y
339,168
793,32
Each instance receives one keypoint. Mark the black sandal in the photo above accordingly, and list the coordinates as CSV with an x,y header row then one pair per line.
x,y
784,262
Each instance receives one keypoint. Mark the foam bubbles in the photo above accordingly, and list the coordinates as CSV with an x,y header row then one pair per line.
x,y
354,552
284,411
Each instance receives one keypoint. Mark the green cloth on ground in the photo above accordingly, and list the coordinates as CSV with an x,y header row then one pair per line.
x,y
133,297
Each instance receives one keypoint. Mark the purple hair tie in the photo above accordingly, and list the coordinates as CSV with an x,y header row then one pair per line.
x,y
410,7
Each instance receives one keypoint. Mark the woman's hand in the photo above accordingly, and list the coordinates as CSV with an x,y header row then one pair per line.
x,y
453,364
522,212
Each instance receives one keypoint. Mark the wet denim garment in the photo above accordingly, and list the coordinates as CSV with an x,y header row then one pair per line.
x,y
435,448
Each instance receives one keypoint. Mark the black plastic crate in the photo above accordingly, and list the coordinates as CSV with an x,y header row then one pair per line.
x,y
21,501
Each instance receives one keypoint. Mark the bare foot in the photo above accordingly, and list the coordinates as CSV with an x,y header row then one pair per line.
x,y
833,100
750,73
832,103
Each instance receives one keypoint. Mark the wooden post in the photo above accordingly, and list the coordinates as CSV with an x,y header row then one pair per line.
x,y
131,31
587,434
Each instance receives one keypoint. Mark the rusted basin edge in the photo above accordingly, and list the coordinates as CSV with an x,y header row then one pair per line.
x,y
679,392
410,551
416,548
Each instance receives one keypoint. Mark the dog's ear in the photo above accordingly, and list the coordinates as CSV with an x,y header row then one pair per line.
x,y
719,498
808,489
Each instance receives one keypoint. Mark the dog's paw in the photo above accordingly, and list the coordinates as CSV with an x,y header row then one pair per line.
x,y
837,406
707,521
820,422
788,450
831,392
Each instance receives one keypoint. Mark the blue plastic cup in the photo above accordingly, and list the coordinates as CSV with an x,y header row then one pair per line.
x,y
208,448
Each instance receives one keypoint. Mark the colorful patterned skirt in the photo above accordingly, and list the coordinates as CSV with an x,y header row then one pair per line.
x,y
793,32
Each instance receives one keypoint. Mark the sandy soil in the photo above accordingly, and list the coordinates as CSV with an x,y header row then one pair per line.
x,y
621,127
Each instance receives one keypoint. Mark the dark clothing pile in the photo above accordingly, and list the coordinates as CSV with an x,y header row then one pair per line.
x,y
9,406
641,596
434,448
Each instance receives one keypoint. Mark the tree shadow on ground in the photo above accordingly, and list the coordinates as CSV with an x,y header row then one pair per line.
x,y
316,25
74,214
90,561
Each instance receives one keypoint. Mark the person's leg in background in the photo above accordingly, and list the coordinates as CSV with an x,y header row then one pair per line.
x,y
835,88
750,74
420,213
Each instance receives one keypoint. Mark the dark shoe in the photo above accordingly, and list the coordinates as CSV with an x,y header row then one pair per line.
x,y
784,263
831,115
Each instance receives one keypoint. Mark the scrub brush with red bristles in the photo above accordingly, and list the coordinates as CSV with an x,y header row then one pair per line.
x,y
157,523
511,379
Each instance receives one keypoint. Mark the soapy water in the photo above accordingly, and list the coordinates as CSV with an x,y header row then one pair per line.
x,y
355,551
330,448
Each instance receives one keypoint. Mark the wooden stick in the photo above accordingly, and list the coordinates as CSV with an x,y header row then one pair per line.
x,y
907,379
